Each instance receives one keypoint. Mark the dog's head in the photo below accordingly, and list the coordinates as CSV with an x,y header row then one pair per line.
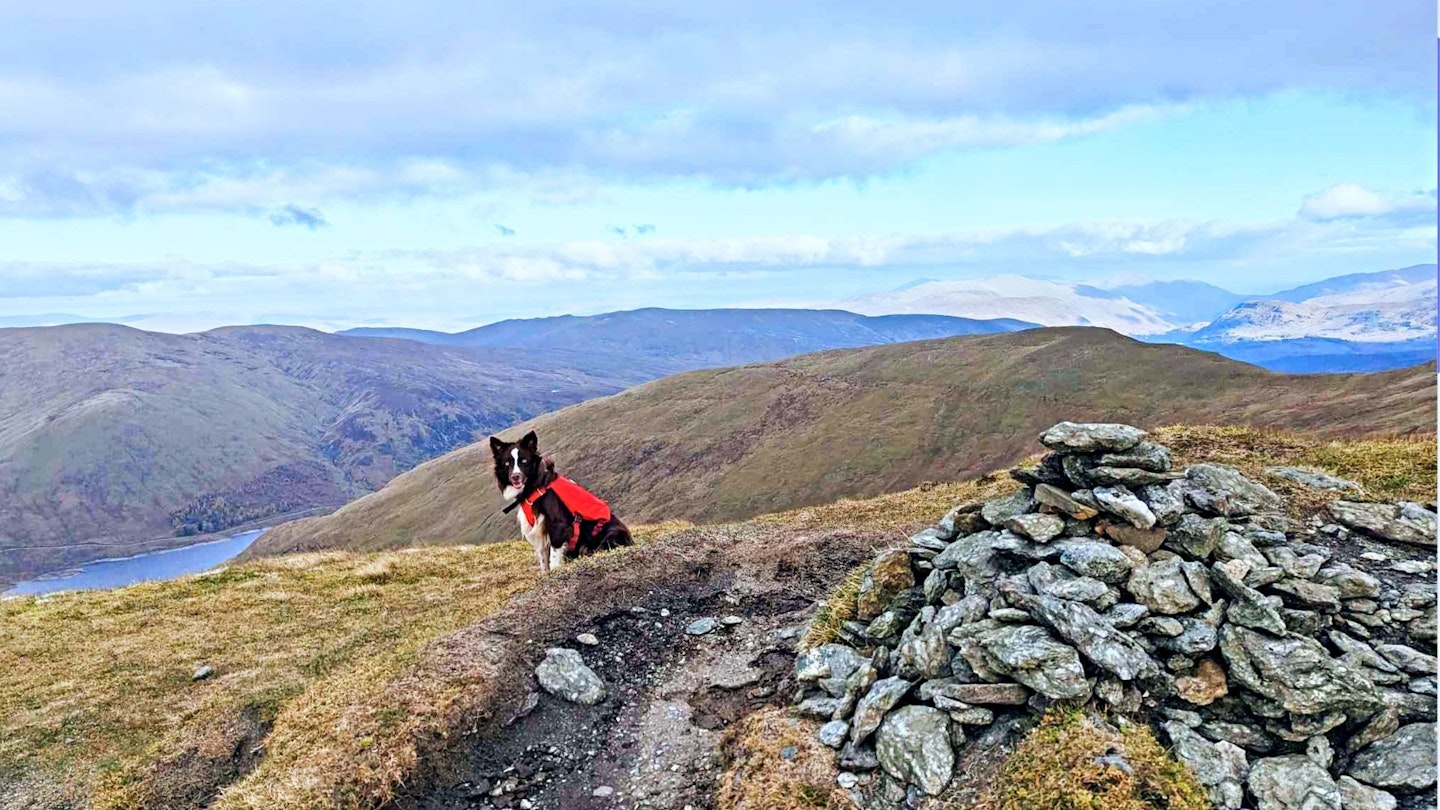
x,y
517,463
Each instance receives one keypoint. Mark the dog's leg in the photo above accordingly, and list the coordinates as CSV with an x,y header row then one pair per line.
x,y
540,539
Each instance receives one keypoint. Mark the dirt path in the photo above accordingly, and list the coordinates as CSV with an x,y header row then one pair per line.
x,y
654,742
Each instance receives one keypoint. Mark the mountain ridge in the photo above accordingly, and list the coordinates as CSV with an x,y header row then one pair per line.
x,y
730,443
687,338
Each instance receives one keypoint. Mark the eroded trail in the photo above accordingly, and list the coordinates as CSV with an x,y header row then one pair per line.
x,y
654,742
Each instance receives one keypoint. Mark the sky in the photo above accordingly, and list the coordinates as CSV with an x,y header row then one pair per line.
x,y
447,164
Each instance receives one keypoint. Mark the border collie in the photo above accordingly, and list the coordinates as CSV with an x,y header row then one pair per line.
x,y
559,518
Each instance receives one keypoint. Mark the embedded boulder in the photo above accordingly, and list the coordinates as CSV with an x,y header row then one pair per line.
x,y
1222,490
563,674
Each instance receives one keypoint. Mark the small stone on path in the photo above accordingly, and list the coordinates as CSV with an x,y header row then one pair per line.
x,y
700,627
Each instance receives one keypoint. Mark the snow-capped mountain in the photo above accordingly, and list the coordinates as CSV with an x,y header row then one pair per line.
x,y
1049,303
1388,307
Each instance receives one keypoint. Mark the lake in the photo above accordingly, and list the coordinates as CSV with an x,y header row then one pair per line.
x,y
117,573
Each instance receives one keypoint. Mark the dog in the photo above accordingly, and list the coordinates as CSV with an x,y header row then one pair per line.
x,y
561,519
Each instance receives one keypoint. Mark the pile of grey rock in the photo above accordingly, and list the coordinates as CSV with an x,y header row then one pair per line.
x,y
1289,664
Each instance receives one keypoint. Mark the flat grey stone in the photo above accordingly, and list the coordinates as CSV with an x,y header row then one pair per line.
x,y
1292,783
1090,436
700,627
1404,760
1407,523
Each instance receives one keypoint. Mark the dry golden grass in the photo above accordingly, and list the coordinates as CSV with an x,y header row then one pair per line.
x,y
758,776
1055,767
96,697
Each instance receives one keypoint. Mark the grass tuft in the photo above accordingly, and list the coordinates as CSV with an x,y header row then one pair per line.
x,y
759,776
838,607
1058,766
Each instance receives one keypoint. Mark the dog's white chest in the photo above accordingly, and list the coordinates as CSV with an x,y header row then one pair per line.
x,y
532,531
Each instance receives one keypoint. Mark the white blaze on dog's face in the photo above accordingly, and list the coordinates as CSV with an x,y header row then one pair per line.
x,y
516,463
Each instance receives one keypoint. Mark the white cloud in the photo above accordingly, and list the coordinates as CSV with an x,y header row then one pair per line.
x,y
1351,201
271,102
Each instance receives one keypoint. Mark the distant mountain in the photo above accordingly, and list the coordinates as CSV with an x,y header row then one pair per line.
x,y
1396,306
857,422
1326,355
1049,303
685,339
1180,302
1359,282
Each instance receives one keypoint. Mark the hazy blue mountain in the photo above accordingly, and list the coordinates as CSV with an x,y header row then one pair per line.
x,y
1181,302
684,339
1415,274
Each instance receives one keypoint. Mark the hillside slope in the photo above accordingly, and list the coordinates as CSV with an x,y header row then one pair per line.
x,y
686,339
737,442
110,434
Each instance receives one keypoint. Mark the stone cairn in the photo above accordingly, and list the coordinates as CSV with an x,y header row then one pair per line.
x,y
1281,670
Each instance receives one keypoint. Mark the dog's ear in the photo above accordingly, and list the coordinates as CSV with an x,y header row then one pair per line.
x,y
530,441
549,463
497,447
